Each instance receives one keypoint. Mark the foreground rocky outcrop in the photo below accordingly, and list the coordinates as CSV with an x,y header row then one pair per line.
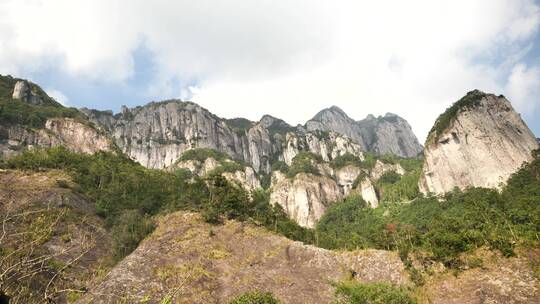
x,y
478,142
497,280
194,262
52,242
389,134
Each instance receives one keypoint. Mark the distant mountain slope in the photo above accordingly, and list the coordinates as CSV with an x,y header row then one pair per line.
x,y
389,134
30,118
478,142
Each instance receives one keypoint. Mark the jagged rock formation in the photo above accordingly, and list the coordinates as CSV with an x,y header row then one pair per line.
x,y
24,92
157,134
346,176
389,134
246,178
367,191
197,167
305,197
48,129
381,168
478,142
203,267
68,132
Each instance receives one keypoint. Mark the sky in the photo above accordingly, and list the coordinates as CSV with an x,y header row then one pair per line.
x,y
288,59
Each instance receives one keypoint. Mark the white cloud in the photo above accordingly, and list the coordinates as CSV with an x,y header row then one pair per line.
x,y
524,87
286,58
58,96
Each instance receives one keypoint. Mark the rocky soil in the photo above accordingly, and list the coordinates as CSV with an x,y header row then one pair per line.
x,y
189,261
54,245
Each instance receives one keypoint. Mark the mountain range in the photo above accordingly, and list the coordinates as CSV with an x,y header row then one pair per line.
x,y
169,203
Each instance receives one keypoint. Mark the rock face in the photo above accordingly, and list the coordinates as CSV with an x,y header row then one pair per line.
x,y
381,168
390,134
246,178
346,176
197,167
479,142
24,92
157,134
305,197
204,267
74,135
367,191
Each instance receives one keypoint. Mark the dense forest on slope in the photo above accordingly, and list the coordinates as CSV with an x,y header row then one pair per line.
x,y
444,228
126,194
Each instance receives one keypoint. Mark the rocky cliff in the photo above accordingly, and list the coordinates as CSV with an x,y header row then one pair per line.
x,y
305,197
157,134
74,135
478,142
389,134
30,118
244,176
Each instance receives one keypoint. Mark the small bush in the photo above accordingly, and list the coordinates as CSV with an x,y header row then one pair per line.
x,y
201,154
345,160
280,166
255,297
128,231
62,183
351,292
304,162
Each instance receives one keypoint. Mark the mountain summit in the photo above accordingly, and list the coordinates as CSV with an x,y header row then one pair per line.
x,y
389,134
477,142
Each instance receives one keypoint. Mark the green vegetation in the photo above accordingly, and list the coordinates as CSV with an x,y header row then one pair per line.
x,y
201,154
304,162
278,126
321,135
7,84
369,161
471,100
393,187
280,166
443,229
345,160
352,292
126,194
16,112
239,125
255,297
227,166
